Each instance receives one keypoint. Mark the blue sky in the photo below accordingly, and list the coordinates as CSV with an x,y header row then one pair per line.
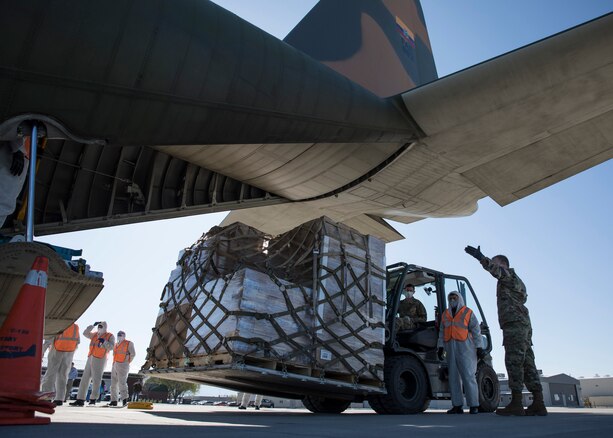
x,y
559,240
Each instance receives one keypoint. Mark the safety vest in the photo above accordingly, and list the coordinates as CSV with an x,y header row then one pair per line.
x,y
456,328
27,145
120,351
68,340
98,350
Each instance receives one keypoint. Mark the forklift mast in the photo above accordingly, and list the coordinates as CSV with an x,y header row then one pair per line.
x,y
397,275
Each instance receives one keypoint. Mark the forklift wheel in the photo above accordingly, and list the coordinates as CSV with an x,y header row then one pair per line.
x,y
489,387
406,382
323,405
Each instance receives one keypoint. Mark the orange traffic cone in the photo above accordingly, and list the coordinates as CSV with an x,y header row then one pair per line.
x,y
21,338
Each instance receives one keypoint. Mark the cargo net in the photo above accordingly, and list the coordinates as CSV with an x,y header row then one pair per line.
x,y
310,301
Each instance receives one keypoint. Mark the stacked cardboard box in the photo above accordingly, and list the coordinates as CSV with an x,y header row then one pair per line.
x,y
351,305
312,297
250,315
217,254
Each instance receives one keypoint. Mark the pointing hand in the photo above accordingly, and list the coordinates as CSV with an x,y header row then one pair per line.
x,y
475,252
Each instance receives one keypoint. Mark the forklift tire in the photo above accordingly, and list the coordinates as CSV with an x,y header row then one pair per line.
x,y
323,405
489,387
406,382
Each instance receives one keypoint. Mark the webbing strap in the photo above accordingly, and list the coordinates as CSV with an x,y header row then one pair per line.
x,y
193,313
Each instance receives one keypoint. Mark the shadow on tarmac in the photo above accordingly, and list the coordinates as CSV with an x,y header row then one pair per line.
x,y
134,431
249,415
284,423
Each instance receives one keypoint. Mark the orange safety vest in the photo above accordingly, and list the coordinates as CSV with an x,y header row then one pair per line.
x,y
27,145
68,340
456,328
120,351
95,349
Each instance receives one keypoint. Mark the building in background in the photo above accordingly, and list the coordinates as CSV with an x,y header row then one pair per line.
x,y
560,390
597,391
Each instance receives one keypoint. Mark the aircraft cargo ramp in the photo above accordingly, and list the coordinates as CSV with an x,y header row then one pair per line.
x,y
69,293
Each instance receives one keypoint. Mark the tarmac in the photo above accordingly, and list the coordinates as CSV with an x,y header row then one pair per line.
x,y
184,421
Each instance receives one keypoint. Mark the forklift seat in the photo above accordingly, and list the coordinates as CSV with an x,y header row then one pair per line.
x,y
423,338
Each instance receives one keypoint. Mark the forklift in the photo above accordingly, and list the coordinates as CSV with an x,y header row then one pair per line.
x,y
413,373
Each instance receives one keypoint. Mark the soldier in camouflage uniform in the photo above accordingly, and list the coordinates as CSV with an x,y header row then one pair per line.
x,y
410,310
516,328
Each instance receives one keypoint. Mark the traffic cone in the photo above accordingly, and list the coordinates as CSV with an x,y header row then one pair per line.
x,y
21,339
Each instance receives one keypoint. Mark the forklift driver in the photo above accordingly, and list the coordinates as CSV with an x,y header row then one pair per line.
x,y
410,310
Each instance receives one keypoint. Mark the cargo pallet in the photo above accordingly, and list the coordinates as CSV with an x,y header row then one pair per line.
x,y
287,383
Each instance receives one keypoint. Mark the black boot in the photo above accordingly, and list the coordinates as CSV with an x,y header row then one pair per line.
x,y
78,403
474,409
456,410
58,402
515,408
124,402
112,404
538,405
92,403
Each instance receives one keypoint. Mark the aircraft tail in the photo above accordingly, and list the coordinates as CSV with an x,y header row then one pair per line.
x,y
382,45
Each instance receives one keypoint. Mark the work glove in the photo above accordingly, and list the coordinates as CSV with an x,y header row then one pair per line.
x,y
480,353
96,323
18,163
440,352
475,252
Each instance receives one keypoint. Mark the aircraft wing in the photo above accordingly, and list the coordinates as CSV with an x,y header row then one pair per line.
x,y
505,128
190,109
528,119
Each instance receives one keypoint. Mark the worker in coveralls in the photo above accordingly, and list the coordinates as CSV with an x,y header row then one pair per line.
x,y
14,160
101,342
245,401
123,354
59,361
460,337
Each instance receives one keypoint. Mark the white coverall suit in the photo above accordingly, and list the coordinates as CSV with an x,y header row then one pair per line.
x,y
462,361
247,396
120,370
58,365
94,367
11,184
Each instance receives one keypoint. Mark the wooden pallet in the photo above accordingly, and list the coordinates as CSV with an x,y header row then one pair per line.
x,y
227,359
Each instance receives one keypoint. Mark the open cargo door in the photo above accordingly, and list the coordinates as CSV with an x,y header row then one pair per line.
x,y
69,293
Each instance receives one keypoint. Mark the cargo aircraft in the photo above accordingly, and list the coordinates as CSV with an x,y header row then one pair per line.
x,y
162,109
